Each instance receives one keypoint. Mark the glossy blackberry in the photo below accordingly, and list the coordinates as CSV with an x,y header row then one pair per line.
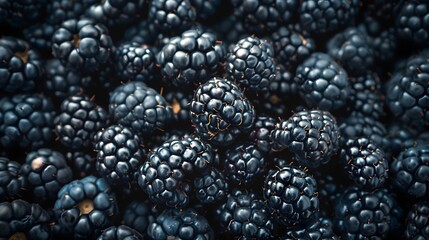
x,y
191,58
417,221
365,163
180,103
221,112
140,214
86,206
138,107
291,195
172,16
250,63
23,220
260,135
180,224
410,171
62,82
316,229
245,216
291,47
121,232
21,13
116,13
135,62
322,82
119,155
352,49
82,45
26,120
366,96
412,22
205,9
21,66
82,163
48,173
168,173
13,179
212,187
79,121
312,136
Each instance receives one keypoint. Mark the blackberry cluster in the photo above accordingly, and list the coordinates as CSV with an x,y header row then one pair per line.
x,y
366,96
172,16
260,135
412,22
212,187
135,62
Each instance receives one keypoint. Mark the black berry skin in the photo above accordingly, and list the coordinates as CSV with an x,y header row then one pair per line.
x,y
180,103
13,179
172,16
140,214
317,229
83,164
212,187
135,62
412,22
221,112
19,14
291,195
121,232
26,120
138,107
260,135
417,221
205,9
250,64
82,45
313,136
322,82
79,121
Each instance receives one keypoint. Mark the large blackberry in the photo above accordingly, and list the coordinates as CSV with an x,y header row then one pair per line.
x,y
21,13
312,136
21,66
82,44
366,96
82,163
168,173
291,195
250,63
140,214
412,22
140,108
191,58
365,163
86,206
417,223
180,224
121,232
26,120
221,112
135,62
172,16
13,178
322,82
79,121
316,229
212,187
119,155
245,215
260,135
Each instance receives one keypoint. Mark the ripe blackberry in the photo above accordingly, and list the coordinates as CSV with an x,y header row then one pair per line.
x,y
23,220
180,103
143,32
230,29
82,163
140,214
245,215
168,173
400,137
417,221
21,13
86,206
13,178
135,62
385,45
26,120
365,163
412,22
48,173
59,11
180,224
82,45
410,171
205,9
317,229
39,35
79,121
21,68
260,135
138,107
365,95
172,16
250,64
221,112
291,196
212,187
119,155
312,136
191,58
352,49
121,232
322,82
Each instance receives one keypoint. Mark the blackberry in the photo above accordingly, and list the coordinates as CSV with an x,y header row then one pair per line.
x,y
26,120
291,196
221,112
168,173
191,58
180,224
39,35
329,190
180,103
385,45
212,187
417,222
119,155
412,22
172,16
143,32
245,215
23,220
48,173
410,171
86,206
82,45
205,9
316,229
250,64
400,137
21,13
138,107
352,49
79,121
230,29
121,232
135,62
313,136
383,10
13,178
365,95
59,11
82,163
260,135
322,82
140,214
365,163
21,68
